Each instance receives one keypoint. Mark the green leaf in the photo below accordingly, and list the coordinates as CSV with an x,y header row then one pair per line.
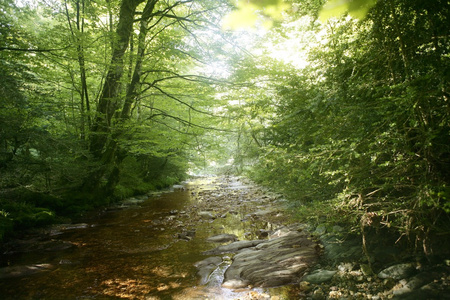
x,y
249,13
336,8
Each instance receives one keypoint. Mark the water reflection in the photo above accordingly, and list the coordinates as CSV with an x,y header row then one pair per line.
x,y
135,252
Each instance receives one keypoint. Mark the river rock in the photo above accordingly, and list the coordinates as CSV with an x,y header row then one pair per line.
x,y
178,187
338,250
412,285
206,215
284,230
419,280
132,201
262,233
366,269
233,247
19,271
319,276
222,238
60,228
321,229
280,232
263,212
397,272
72,226
346,267
187,235
206,267
271,263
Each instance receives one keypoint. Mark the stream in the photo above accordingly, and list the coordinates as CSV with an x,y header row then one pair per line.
x,y
145,247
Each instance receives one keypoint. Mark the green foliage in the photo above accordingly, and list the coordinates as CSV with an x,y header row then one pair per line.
x,y
356,8
362,133
252,13
25,215
6,224
95,106
142,174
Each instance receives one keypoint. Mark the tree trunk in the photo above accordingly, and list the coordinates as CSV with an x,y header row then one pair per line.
x,y
132,90
101,127
104,140
78,39
107,104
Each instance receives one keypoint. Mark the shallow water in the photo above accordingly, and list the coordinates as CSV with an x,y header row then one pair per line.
x,y
135,252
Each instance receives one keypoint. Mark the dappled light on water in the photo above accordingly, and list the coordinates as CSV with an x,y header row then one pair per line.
x,y
126,289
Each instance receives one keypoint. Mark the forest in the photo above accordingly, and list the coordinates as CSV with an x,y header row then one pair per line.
x,y
343,106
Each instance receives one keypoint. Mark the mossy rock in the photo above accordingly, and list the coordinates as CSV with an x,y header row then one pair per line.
x,y
45,218
32,217
38,199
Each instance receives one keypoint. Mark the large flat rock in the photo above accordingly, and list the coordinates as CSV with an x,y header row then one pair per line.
x,y
19,271
275,262
206,267
233,247
222,238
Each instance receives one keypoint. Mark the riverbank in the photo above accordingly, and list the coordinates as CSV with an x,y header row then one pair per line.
x,y
346,272
26,207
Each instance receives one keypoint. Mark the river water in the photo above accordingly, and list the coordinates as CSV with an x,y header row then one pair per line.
x,y
135,251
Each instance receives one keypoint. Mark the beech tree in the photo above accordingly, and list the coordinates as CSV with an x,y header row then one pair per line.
x,y
181,19
102,100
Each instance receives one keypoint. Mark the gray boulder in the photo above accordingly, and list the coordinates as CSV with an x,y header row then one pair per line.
x,y
319,276
178,187
233,247
206,267
20,271
222,238
187,235
270,263
397,272
206,215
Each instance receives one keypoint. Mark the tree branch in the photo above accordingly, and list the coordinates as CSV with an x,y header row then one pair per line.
x,y
188,77
185,122
31,50
181,101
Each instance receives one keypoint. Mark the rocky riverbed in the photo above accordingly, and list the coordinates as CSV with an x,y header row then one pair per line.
x,y
341,272
345,272
215,238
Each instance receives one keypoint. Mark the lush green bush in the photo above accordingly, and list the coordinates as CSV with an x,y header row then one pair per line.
x,y
140,174
6,224
362,134
21,215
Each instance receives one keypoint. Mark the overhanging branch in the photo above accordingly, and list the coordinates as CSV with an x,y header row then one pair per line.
x,y
185,122
181,101
31,50
187,77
